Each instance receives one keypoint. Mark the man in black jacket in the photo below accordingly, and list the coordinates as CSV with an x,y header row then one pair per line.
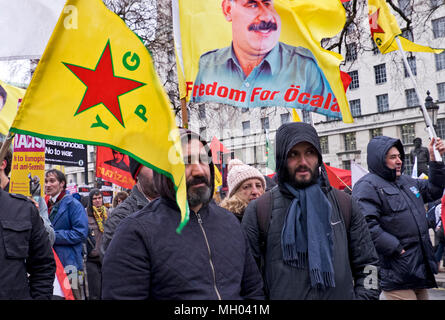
x,y
210,259
142,194
394,207
311,252
26,258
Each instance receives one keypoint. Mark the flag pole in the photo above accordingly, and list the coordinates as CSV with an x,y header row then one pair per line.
x,y
429,124
185,120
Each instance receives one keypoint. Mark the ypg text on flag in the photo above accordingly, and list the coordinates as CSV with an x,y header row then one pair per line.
x,y
103,76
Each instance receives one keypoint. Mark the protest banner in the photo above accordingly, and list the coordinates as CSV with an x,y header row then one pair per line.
x,y
28,166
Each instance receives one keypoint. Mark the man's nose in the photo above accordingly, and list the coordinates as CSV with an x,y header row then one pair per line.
x,y
265,14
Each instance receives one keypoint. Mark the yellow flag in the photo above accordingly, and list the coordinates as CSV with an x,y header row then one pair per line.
x,y
96,84
10,98
295,116
384,29
205,31
218,179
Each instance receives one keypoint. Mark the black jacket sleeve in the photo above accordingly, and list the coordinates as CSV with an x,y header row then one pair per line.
x,y
363,257
252,283
126,265
40,263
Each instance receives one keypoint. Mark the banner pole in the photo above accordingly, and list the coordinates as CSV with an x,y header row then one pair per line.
x,y
426,117
185,120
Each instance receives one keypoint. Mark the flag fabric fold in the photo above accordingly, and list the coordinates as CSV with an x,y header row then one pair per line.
x,y
10,98
96,84
357,171
384,30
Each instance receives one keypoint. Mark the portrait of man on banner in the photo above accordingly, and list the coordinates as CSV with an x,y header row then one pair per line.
x,y
114,166
257,69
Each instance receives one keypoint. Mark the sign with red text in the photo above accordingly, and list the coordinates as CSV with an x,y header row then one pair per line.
x,y
114,166
28,166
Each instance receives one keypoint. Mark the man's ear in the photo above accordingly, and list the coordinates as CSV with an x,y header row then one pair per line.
x,y
227,9
4,164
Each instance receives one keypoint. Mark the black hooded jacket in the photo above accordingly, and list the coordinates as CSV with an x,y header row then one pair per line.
x,y
210,259
395,213
354,256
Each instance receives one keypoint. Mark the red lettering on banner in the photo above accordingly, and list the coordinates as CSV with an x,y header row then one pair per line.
x,y
335,107
317,101
328,101
189,85
211,88
255,92
238,95
303,95
223,92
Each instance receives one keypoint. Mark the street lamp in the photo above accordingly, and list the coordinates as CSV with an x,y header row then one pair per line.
x,y
432,109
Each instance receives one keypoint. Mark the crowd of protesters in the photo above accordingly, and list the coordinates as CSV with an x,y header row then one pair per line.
x,y
290,237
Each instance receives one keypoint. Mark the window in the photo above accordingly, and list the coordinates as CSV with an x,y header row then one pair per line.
x,y
441,91
346,164
351,52
203,133
412,65
406,7
439,27
411,98
328,118
349,139
355,108
202,111
354,80
246,128
243,110
324,144
375,132
440,129
436,3
440,61
306,116
408,164
265,123
285,117
382,102
408,133
380,73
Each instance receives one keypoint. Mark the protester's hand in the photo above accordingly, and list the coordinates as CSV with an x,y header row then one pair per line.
x,y
438,144
35,202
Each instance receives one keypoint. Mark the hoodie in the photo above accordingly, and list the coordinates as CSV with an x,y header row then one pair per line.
x,y
395,212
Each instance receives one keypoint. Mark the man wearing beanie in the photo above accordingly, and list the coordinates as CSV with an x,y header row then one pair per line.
x,y
316,245
209,260
143,192
245,184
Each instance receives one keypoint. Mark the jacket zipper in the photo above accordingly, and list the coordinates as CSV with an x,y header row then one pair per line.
x,y
210,255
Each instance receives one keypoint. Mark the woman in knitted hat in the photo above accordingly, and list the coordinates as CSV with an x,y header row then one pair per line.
x,y
245,184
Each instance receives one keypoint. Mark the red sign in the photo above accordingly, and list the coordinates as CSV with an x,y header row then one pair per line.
x,y
114,166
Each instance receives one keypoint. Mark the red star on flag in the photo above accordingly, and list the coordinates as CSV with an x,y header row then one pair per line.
x,y
375,28
103,87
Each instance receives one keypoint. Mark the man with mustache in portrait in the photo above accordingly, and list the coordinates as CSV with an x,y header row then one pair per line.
x,y
256,59
209,260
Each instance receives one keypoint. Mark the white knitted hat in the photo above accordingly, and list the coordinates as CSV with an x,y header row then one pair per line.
x,y
240,172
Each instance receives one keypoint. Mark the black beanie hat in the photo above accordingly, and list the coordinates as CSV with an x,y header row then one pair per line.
x,y
135,167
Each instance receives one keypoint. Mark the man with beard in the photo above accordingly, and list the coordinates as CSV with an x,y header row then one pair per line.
x,y
256,59
209,260
313,249
142,194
